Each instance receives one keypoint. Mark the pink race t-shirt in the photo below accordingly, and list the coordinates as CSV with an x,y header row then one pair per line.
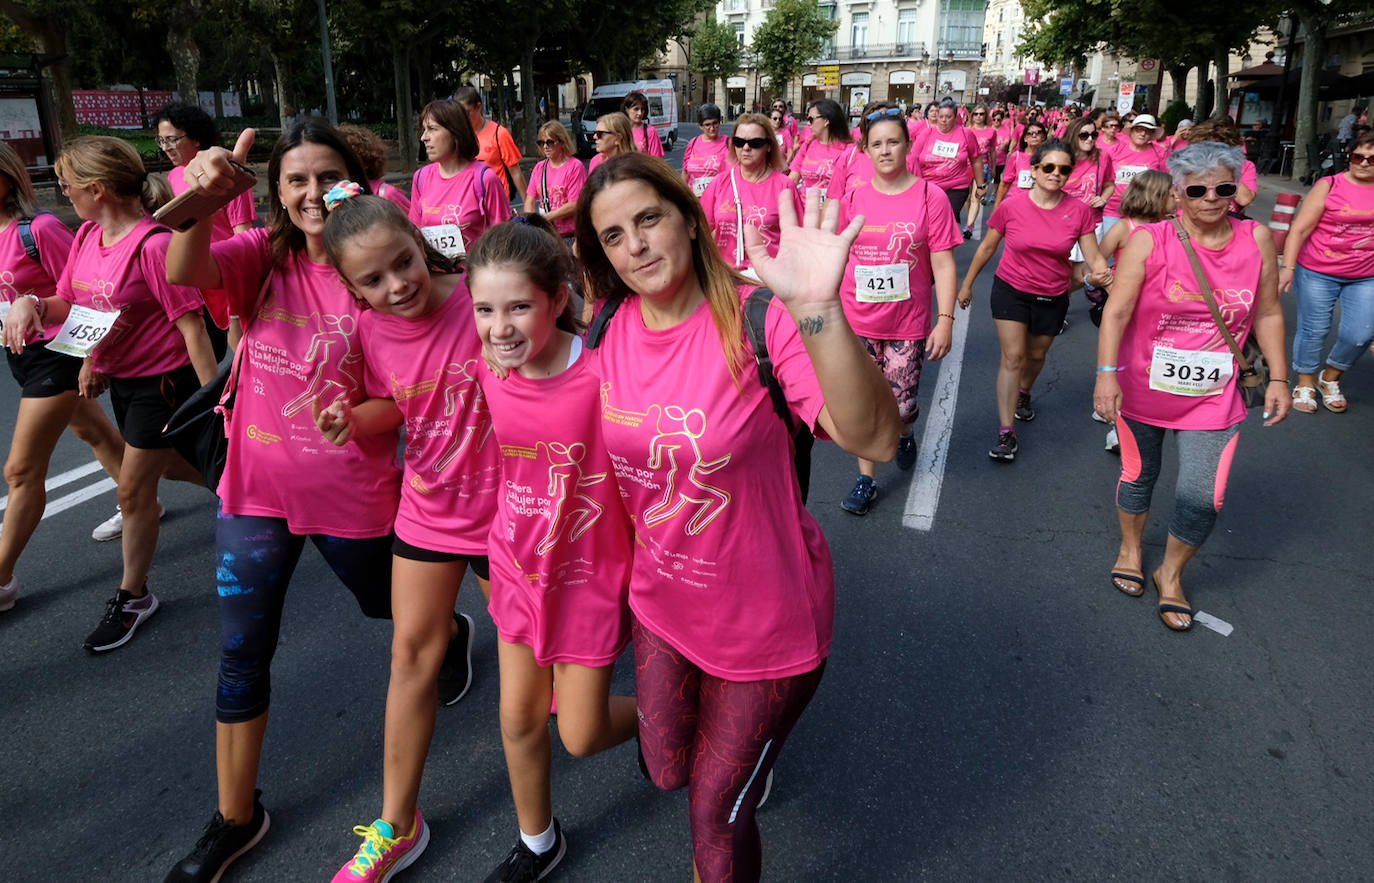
x,y
853,170
1087,179
564,185
1038,241
1003,137
1342,244
474,199
944,159
130,276
1249,177
21,274
1018,171
392,194
300,343
1170,315
887,283
240,209
704,160
428,367
561,546
1129,162
815,162
785,140
730,568
914,127
986,140
647,140
757,205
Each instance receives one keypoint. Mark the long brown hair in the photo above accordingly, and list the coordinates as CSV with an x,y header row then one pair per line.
x,y
529,245
717,280
283,236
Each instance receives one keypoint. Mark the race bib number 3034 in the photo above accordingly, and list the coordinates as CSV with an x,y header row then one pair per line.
x,y
83,331
1190,372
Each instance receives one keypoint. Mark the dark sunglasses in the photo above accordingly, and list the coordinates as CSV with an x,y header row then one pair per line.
x,y
542,142
1040,132
811,119
1362,159
751,143
1050,168
883,114
1225,190
598,134
1087,136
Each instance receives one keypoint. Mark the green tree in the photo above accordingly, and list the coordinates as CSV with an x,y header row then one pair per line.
x,y
790,38
716,53
612,37
45,24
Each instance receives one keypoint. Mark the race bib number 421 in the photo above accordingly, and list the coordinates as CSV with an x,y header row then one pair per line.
x,y
882,284
83,331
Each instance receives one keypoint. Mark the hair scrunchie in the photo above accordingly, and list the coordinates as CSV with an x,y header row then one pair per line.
x,y
340,192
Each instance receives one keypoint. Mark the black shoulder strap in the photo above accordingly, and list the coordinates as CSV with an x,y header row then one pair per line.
x,y
756,325
597,330
26,237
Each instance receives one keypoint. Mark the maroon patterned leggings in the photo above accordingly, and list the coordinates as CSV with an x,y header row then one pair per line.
x,y
720,739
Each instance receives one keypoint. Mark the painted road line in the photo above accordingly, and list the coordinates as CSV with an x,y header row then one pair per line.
x,y
60,479
1220,626
76,498
924,497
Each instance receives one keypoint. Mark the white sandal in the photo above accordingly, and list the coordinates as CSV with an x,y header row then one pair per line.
x,y
1332,398
1305,396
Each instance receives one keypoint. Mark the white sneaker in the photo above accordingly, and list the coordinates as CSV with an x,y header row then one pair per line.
x,y
1113,443
112,528
9,593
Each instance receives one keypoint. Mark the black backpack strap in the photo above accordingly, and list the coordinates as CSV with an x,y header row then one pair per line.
x,y
597,330
756,325
26,237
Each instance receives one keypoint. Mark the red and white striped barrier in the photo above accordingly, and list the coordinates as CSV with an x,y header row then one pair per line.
x,y
1284,208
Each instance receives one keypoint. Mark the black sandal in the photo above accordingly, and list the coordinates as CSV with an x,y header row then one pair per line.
x,y
1138,579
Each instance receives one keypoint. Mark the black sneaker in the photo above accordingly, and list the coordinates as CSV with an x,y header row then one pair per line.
x,y
860,499
1006,447
455,674
220,846
906,451
1024,411
523,866
123,614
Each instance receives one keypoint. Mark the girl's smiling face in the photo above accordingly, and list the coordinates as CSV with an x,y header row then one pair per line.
x,y
386,267
516,320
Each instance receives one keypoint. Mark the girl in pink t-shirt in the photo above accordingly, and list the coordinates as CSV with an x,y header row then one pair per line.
x,y
561,542
646,140
747,194
1030,291
422,353
814,162
708,154
140,337
1163,364
908,238
283,485
557,179
30,266
454,198
730,636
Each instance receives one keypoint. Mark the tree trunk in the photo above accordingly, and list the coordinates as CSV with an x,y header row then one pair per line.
x,y
51,39
1203,109
185,54
282,69
1313,52
406,143
529,131
1178,76
1223,95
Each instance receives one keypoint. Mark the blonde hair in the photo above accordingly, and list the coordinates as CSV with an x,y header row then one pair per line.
x,y
554,129
21,202
620,126
770,133
1147,196
113,164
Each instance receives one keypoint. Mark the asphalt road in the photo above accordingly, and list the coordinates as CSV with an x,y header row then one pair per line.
x,y
993,709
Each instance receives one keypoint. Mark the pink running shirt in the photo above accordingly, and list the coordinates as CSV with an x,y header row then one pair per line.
x,y
561,546
1088,178
428,367
647,140
1342,244
299,343
730,568
900,231
757,204
144,340
1129,162
474,199
392,194
1171,314
944,159
21,275
815,163
703,160
1035,257
854,170
564,186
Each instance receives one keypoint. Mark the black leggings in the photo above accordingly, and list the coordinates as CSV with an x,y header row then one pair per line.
x,y
957,198
256,557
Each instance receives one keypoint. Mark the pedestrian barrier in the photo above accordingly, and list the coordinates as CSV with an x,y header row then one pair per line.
x,y
1284,209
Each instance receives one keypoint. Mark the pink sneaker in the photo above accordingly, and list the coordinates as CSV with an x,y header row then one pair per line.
x,y
383,855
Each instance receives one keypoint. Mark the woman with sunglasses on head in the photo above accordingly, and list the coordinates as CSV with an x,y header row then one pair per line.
x,y
635,106
907,240
946,155
747,192
34,248
613,136
1030,292
729,648
1163,364
153,353
707,154
282,487
1017,177
815,160
557,179
455,198
1333,241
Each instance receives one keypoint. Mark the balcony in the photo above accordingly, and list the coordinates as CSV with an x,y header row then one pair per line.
x,y
874,52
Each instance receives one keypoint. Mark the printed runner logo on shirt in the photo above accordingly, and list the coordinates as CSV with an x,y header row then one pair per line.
x,y
337,366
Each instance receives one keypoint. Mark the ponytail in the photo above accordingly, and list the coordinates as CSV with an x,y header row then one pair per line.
x,y
155,192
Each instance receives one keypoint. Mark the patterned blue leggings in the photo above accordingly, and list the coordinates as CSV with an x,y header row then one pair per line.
x,y
256,557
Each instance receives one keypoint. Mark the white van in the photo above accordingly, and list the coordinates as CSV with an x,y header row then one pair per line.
x,y
607,97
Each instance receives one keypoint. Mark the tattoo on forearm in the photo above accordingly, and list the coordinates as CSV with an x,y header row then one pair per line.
x,y
811,325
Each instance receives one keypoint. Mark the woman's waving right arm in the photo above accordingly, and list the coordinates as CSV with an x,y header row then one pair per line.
x,y
189,261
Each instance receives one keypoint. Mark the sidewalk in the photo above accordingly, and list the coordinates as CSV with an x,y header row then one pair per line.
x,y
1279,184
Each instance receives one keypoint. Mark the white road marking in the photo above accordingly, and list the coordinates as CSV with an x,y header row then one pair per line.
x,y
924,497
1220,626
60,479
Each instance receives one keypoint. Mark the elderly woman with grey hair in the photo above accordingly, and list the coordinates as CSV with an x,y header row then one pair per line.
x,y
1162,362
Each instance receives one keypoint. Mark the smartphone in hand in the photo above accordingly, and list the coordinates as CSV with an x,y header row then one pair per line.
x,y
191,206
